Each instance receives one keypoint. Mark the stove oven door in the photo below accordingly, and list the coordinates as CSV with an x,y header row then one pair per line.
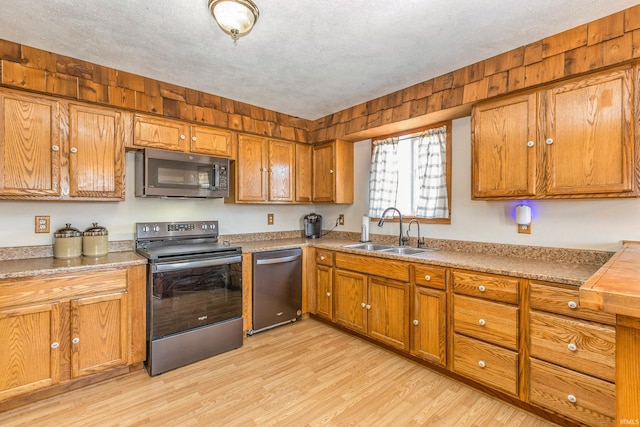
x,y
186,295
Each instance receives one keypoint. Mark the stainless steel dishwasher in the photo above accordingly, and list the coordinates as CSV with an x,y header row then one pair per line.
x,y
277,288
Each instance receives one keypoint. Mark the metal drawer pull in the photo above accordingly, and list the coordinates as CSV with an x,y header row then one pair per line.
x,y
328,294
530,144
75,340
482,322
415,322
321,257
572,304
572,398
481,364
427,278
572,347
481,288
54,345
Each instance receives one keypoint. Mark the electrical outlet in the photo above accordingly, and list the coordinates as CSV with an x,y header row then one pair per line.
x,y
42,224
524,229
341,219
270,219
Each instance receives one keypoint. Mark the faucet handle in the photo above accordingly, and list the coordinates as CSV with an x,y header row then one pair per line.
x,y
421,242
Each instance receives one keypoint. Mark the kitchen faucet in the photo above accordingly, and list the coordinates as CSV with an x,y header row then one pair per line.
x,y
420,241
401,238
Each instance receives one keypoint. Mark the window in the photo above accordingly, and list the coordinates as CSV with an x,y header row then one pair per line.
x,y
412,172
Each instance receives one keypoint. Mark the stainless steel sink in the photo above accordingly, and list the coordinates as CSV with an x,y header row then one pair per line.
x,y
405,250
369,246
390,249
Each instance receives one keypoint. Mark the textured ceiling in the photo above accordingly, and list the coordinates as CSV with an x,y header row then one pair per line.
x,y
306,58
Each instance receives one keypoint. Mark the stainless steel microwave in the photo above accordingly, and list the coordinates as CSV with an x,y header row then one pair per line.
x,y
161,173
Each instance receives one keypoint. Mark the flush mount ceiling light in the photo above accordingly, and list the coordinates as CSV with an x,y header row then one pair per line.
x,y
235,17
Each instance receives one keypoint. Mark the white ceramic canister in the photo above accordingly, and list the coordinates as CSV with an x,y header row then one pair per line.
x,y
67,242
95,241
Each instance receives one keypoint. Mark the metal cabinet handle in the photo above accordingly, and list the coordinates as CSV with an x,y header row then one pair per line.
x,y
427,278
76,340
54,345
363,305
415,322
572,304
549,141
330,170
193,138
368,307
482,322
74,150
571,398
572,347
481,288
182,136
530,144
321,257
328,294
55,148
481,364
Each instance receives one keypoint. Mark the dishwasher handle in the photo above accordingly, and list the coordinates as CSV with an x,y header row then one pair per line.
x,y
278,260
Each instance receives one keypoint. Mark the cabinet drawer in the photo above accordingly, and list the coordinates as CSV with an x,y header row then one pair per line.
x,y
486,363
430,276
486,320
564,301
14,292
324,257
485,286
373,266
582,346
575,395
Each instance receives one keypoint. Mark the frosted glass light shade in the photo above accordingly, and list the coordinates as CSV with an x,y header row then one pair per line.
x,y
235,17
523,215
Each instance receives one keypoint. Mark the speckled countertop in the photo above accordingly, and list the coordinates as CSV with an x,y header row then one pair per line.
x,y
48,265
566,266
570,273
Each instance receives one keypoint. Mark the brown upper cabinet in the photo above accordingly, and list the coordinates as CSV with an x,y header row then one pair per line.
x,y
265,170
333,172
572,140
304,173
175,135
53,150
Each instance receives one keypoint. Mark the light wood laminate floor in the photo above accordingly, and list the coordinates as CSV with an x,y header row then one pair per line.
x,y
304,374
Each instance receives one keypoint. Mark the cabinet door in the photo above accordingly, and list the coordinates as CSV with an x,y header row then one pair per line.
x,y
96,153
324,291
350,291
210,141
29,146
324,189
30,356
252,171
281,170
504,148
589,136
429,325
388,312
153,132
98,333
304,173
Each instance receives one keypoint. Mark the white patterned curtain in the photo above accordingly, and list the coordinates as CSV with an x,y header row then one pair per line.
x,y
432,172
383,176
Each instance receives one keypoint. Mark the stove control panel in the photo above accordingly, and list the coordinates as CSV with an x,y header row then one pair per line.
x,y
154,230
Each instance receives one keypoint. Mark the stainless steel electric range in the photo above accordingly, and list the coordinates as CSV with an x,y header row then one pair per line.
x,y
194,293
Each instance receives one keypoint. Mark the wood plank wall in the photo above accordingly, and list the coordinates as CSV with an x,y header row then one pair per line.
x,y
36,70
603,43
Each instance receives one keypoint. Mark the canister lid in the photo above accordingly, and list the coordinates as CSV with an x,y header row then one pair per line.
x,y
67,231
96,230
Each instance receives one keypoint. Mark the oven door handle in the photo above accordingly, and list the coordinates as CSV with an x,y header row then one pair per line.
x,y
183,265
278,260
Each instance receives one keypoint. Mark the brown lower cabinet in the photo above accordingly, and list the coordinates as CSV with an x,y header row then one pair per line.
x,y
528,340
62,329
